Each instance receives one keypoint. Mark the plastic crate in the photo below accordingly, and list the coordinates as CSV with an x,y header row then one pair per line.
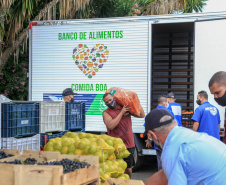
x,y
187,121
74,116
52,116
0,125
27,143
3,99
44,138
20,119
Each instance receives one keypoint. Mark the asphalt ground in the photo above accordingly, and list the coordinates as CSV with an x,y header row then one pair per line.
x,y
148,168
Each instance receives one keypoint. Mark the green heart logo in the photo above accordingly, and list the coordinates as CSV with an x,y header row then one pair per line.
x,y
90,61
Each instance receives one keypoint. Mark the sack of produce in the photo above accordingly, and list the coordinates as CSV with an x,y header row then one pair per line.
x,y
110,151
126,97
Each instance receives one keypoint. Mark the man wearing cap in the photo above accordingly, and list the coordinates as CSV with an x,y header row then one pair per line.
x,y
217,86
175,107
68,95
206,117
188,157
119,124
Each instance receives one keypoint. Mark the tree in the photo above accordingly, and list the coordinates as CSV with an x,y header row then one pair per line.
x,y
112,8
194,5
174,6
14,21
15,14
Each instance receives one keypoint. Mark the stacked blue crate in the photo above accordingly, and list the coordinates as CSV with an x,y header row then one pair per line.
x,y
20,119
74,116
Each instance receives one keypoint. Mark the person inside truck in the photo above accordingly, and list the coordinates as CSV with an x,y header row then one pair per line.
x,y
162,104
188,157
176,108
217,86
206,117
119,124
68,95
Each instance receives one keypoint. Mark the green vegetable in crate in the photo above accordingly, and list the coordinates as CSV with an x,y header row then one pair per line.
x,y
71,149
57,145
66,142
124,176
113,168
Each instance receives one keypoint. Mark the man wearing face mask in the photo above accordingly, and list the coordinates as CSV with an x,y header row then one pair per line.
x,y
217,86
118,122
188,157
206,117
176,108
162,104
68,95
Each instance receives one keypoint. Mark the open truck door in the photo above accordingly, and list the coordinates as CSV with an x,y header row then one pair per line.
x,y
210,57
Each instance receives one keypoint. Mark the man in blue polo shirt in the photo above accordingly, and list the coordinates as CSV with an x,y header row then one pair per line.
x,y
163,104
188,157
206,117
175,107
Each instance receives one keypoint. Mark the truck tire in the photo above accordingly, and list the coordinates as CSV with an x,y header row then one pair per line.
x,y
138,160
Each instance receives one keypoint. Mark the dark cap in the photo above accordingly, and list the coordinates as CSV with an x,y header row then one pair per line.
x,y
152,119
67,92
171,95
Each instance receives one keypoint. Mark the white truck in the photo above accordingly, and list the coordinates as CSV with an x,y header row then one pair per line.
x,y
150,55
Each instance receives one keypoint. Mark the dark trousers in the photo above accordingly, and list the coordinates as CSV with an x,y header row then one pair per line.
x,y
158,154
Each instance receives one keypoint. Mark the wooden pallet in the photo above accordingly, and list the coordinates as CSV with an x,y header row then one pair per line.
x,y
113,181
49,175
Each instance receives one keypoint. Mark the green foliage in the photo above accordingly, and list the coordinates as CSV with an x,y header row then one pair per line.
x,y
113,8
191,6
18,16
14,81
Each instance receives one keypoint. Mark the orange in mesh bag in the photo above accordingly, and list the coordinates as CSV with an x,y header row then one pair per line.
x,y
126,97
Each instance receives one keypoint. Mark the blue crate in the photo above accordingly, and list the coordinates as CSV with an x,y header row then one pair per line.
x,y
74,116
51,136
20,119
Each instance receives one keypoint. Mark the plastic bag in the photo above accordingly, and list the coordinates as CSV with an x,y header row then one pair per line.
x,y
126,97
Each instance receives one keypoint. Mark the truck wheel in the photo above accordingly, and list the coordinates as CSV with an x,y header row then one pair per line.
x,y
138,160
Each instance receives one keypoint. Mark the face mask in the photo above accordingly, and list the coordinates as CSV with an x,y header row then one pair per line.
x,y
198,102
72,100
112,105
222,100
158,143
167,105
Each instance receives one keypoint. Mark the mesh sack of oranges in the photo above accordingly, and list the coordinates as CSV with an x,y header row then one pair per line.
x,y
112,169
104,146
110,151
126,97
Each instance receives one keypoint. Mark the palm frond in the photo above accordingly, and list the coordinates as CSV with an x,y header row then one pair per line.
x,y
21,11
171,6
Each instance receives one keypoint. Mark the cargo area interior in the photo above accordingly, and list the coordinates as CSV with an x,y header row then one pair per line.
x,y
172,63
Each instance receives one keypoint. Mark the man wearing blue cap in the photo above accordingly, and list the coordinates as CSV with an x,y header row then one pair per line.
x,y
188,157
